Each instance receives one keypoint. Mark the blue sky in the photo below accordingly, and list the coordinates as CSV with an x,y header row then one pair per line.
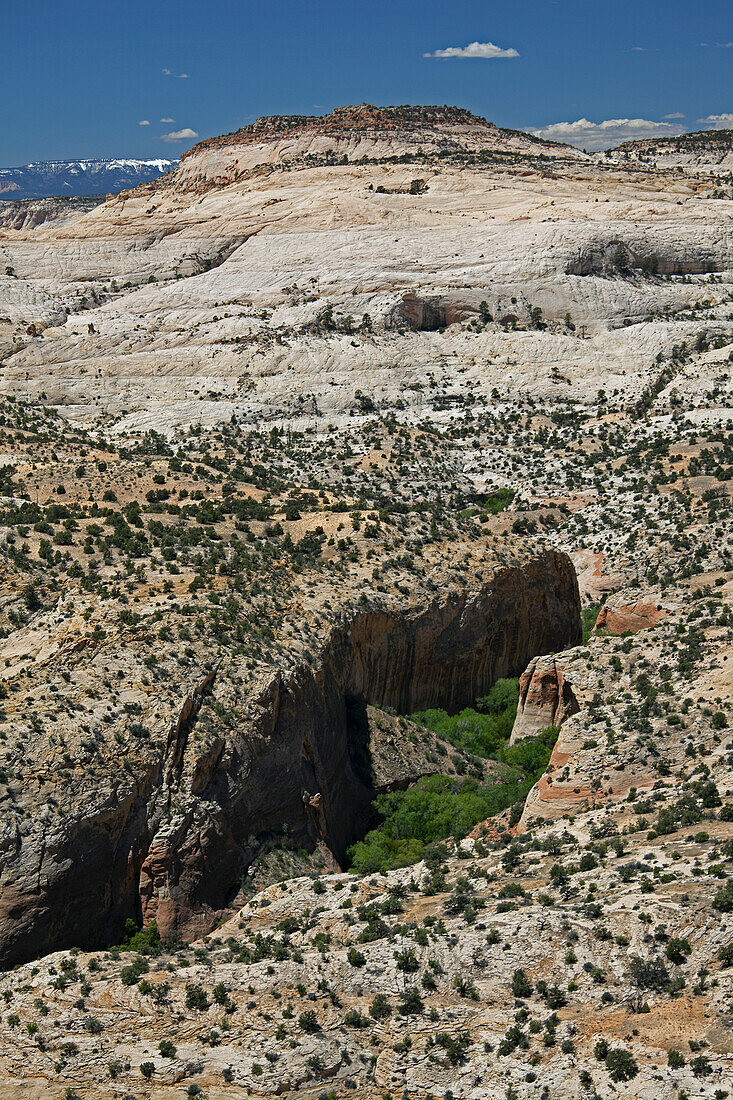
x,y
77,77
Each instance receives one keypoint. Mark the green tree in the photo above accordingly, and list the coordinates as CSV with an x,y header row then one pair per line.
x,y
521,985
411,1003
621,1065
380,1007
621,257
678,950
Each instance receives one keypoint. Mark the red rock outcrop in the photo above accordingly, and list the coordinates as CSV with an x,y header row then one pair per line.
x,y
545,698
628,618
428,314
347,120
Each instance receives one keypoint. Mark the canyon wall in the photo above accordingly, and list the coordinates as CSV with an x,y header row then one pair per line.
x,y
171,840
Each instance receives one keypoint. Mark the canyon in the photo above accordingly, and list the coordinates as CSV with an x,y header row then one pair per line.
x,y
344,423
115,846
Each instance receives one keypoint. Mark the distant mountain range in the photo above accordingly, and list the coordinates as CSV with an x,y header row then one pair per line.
x,y
78,177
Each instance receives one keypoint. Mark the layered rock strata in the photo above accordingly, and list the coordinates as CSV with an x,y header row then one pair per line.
x,y
546,698
170,833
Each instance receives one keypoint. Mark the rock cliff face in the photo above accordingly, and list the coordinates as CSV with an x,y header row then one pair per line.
x,y
663,258
28,214
572,692
170,836
300,740
546,698
428,315
699,152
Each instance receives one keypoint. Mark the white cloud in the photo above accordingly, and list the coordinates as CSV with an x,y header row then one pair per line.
x,y
717,122
178,76
187,134
143,122
594,136
476,49
718,45
167,120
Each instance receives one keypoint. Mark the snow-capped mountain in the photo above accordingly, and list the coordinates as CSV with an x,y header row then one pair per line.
x,y
78,177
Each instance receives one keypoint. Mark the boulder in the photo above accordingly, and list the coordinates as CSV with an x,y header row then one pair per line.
x,y
628,618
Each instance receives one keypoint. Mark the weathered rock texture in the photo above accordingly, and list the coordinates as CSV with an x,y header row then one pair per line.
x,y
28,214
545,698
628,618
355,133
565,871
204,287
701,152
668,258
428,315
170,834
